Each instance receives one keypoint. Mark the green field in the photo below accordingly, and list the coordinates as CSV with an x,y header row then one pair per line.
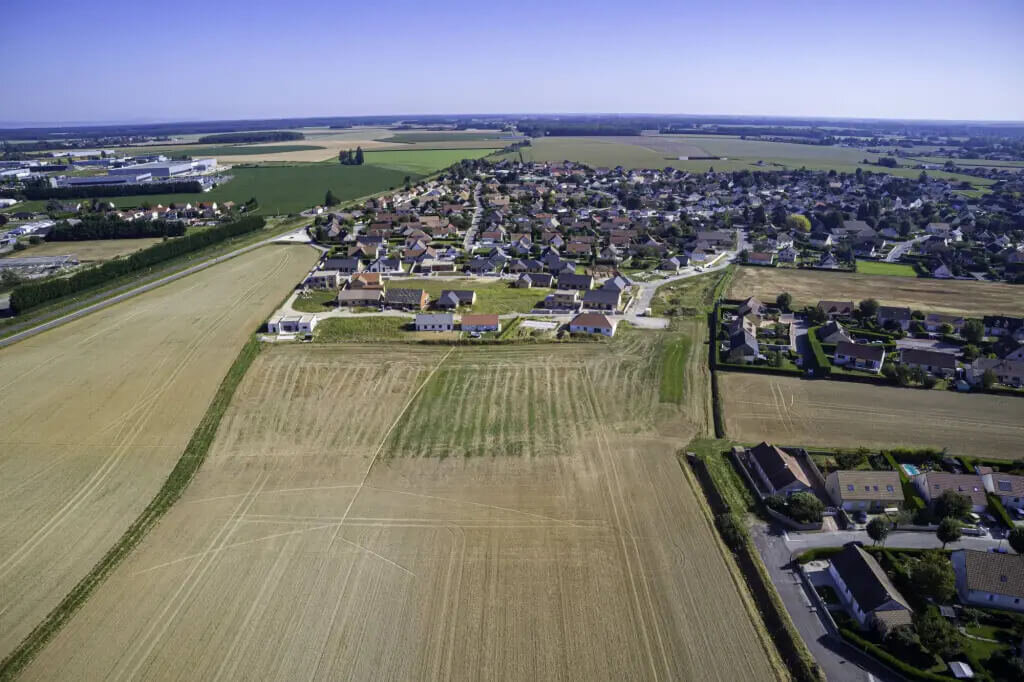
x,y
491,297
421,162
239,150
871,267
441,136
363,329
664,151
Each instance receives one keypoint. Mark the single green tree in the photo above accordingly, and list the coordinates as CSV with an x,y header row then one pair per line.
x,y
952,504
935,633
805,507
988,379
359,156
798,223
1016,539
330,199
933,576
868,307
783,301
949,531
878,529
973,331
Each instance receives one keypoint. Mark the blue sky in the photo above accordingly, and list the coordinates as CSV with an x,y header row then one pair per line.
x,y
113,60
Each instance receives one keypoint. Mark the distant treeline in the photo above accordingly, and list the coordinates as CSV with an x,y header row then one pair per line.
x,y
32,294
568,129
42,191
112,227
268,136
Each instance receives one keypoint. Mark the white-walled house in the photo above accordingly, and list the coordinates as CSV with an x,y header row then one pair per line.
x,y
989,579
866,590
860,356
292,324
1007,487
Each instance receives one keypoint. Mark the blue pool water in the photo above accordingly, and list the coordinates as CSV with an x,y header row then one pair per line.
x,y
910,469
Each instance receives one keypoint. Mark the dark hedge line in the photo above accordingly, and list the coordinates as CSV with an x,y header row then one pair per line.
x,y
32,294
39,192
268,136
905,669
112,227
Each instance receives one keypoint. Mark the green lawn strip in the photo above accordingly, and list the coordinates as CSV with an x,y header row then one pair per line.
x,y
179,478
674,354
495,297
870,267
316,301
421,161
345,330
70,304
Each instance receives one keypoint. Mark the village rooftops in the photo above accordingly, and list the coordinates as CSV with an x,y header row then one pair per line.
x,y
861,351
780,467
868,583
836,307
994,572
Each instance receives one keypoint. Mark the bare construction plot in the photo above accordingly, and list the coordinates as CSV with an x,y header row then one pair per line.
x,y
933,295
97,411
792,411
326,538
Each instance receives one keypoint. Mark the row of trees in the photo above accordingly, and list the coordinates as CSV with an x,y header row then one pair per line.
x,y
101,226
347,157
40,191
255,136
32,294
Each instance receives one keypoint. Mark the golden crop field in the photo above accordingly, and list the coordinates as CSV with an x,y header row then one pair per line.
x,y
325,536
96,413
793,411
88,251
931,295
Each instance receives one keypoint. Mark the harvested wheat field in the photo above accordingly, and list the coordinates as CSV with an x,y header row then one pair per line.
x,y
931,295
792,411
97,412
89,251
327,536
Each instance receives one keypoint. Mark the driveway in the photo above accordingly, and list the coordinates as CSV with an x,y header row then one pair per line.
x,y
901,248
840,662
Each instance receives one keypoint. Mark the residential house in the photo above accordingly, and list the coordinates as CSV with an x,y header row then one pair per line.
x,y
751,306
453,298
866,590
406,299
761,258
562,299
481,323
366,280
435,322
834,309
292,324
890,316
1009,488
743,345
933,322
386,266
673,264
833,332
360,298
864,490
788,255
1003,325
778,471
990,579
932,484
593,323
1007,372
930,361
568,280
323,279
528,280
860,356
345,266
602,299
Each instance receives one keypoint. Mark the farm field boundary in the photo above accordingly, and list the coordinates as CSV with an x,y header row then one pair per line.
x,y
179,478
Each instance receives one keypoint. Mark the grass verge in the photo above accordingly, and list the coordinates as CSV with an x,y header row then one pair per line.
x,y
179,478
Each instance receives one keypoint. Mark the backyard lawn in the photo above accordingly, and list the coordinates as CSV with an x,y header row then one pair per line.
x,y
873,267
491,297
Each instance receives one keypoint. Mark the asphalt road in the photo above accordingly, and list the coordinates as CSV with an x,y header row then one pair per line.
x,y
107,302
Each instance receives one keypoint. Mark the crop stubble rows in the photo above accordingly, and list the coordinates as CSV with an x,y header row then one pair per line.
x,y
299,552
87,443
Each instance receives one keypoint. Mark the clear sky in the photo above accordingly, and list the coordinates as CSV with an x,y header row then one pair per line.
x,y
138,60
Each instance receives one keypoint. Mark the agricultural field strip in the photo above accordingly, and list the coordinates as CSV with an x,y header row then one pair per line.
x,y
224,530
121,435
807,412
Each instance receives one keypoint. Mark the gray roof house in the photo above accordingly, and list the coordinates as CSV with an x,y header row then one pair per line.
x,y
866,590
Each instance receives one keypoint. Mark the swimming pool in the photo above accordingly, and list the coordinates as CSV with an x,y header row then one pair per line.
x,y
910,469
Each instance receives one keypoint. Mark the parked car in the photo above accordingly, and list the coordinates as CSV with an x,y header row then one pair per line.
x,y
860,517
